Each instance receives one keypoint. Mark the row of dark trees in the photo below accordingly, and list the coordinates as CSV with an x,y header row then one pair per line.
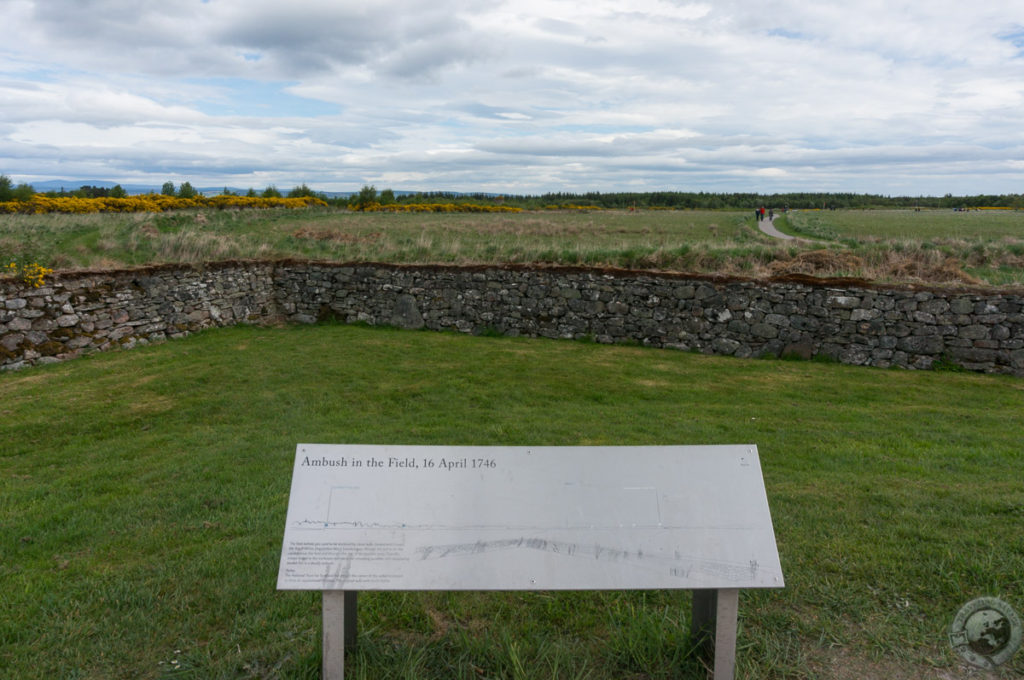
x,y
115,191
735,201
682,200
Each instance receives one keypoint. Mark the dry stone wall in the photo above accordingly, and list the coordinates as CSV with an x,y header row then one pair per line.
x,y
78,313
854,323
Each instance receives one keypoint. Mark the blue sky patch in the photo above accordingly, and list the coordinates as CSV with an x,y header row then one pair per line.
x,y
253,98
1015,38
790,35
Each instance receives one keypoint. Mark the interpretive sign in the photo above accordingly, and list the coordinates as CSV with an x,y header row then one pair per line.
x,y
527,518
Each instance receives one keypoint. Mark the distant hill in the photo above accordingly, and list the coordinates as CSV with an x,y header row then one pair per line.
x,y
73,184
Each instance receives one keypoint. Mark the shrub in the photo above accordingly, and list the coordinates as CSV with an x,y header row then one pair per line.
x,y
39,204
33,274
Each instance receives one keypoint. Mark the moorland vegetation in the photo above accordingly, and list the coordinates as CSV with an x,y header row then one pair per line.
x,y
932,246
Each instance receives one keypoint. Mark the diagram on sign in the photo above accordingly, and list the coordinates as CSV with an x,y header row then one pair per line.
x,y
567,505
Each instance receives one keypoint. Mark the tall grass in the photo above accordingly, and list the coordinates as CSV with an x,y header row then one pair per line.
x,y
891,246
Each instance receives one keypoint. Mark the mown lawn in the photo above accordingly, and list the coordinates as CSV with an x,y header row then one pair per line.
x,y
143,497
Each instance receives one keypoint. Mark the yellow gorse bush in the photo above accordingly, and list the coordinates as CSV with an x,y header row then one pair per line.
x,y
40,204
33,274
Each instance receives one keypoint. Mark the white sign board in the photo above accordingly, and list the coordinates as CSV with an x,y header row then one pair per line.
x,y
527,518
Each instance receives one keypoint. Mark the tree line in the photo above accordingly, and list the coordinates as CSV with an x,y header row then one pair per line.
x,y
666,200
683,200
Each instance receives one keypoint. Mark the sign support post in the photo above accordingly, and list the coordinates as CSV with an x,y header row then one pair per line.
x,y
714,619
339,612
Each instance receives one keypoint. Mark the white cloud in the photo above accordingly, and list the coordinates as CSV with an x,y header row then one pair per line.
x,y
525,95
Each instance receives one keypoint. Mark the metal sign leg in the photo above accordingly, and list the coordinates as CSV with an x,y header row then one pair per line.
x,y
339,611
714,619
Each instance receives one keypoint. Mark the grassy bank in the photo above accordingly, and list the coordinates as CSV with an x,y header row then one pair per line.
x,y
143,496
566,237
980,247
942,247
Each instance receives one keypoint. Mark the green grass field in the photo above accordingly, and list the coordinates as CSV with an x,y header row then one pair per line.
x,y
143,498
908,225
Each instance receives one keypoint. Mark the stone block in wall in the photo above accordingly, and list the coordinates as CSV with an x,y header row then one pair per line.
x,y
843,302
804,323
974,332
725,346
861,314
855,354
961,305
933,306
921,344
874,327
900,330
718,315
737,301
738,326
922,317
883,303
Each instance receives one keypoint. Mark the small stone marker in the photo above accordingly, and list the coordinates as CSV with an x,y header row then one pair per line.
x,y
529,518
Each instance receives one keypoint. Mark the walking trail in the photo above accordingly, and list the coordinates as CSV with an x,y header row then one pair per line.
x,y
768,227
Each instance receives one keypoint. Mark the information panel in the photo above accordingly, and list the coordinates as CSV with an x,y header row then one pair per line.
x,y
527,518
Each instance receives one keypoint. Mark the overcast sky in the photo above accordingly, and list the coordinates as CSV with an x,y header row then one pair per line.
x,y
526,96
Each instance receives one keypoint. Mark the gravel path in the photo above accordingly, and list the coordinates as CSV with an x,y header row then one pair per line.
x,y
768,227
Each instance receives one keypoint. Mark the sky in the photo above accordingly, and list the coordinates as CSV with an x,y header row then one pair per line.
x,y
518,97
